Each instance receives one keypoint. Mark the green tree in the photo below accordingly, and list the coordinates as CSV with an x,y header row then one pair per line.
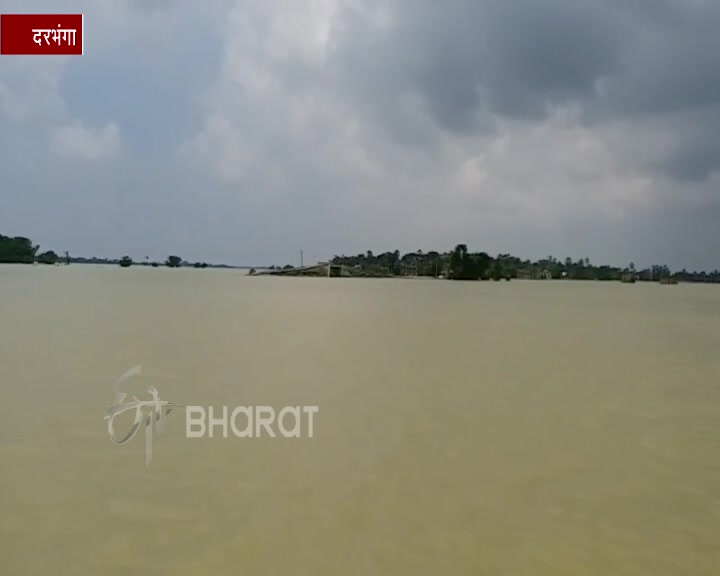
x,y
17,250
126,262
497,270
462,265
48,257
173,262
482,264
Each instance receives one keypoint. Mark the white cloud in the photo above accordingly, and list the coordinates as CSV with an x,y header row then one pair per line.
x,y
220,148
29,88
75,141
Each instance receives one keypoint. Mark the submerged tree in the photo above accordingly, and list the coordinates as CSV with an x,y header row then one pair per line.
x,y
48,257
462,264
17,250
173,262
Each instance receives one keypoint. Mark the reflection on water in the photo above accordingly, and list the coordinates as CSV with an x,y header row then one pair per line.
x,y
463,428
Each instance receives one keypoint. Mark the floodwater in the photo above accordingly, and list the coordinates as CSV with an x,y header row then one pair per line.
x,y
543,428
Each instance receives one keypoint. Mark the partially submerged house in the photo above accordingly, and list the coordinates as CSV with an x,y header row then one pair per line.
x,y
526,274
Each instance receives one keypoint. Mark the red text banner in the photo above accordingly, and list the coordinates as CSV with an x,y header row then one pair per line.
x,y
41,34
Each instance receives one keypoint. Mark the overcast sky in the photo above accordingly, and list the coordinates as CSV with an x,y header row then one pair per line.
x,y
244,131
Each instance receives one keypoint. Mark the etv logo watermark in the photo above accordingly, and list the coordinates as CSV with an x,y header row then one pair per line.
x,y
200,421
262,416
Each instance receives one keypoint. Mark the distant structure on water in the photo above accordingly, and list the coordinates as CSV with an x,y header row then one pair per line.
x,y
322,269
543,274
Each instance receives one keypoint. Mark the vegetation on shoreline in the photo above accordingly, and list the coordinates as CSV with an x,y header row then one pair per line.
x,y
171,262
18,250
459,264
21,250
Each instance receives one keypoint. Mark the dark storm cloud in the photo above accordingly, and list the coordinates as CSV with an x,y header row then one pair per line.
x,y
695,144
510,58
471,60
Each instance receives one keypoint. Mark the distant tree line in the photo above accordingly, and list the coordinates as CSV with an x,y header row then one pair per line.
x,y
18,250
127,261
461,264
171,262
21,250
